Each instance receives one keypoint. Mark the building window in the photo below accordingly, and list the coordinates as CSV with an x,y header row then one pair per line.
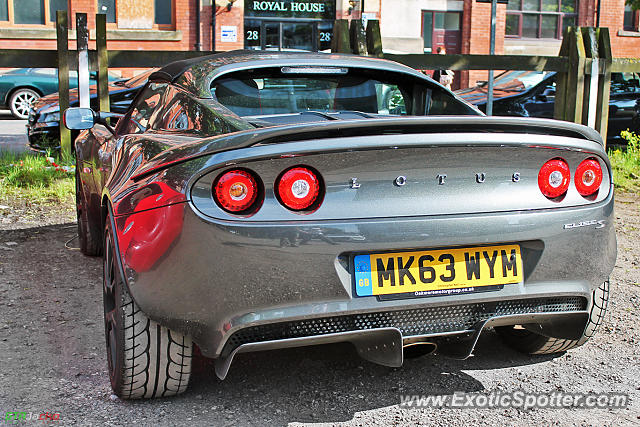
x,y
630,19
4,10
54,6
30,12
441,29
108,7
163,11
539,19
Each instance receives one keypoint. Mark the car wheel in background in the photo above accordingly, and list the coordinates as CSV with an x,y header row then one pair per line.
x,y
90,244
145,359
21,101
531,343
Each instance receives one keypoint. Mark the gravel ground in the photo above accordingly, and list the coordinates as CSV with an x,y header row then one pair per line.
x,y
52,356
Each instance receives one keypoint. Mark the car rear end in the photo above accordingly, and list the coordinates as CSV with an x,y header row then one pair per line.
x,y
382,234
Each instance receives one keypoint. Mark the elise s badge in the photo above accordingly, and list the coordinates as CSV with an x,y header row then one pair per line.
x,y
598,224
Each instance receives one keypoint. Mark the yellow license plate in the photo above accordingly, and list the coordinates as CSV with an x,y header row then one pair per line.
x,y
438,272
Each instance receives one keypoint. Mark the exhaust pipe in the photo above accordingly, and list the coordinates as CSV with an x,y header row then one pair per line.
x,y
413,349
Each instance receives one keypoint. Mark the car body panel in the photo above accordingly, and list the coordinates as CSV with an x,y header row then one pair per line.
x,y
295,288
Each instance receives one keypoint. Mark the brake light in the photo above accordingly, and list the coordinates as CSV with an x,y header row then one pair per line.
x,y
236,191
588,177
299,188
554,178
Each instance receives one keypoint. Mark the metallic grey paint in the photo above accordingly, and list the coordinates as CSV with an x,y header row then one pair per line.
x,y
233,274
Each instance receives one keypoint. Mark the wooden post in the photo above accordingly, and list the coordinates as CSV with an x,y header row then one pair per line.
x,y
571,89
341,43
591,78
358,37
604,84
62,32
103,62
374,39
83,59
560,105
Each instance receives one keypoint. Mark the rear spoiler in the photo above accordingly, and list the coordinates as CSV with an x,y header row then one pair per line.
x,y
352,128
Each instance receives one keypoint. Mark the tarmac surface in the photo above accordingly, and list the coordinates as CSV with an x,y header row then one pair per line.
x,y
13,133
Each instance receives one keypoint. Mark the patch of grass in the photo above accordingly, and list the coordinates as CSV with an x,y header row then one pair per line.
x,y
32,179
626,164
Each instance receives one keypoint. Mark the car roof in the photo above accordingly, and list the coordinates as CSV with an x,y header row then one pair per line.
x,y
196,74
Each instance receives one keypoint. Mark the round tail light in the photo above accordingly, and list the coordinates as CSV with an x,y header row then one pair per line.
x,y
236,190
588,177
554,178
298,188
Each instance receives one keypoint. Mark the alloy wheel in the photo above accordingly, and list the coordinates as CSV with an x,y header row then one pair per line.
x,y
21,102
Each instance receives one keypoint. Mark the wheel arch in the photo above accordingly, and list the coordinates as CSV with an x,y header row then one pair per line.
x,y
107,215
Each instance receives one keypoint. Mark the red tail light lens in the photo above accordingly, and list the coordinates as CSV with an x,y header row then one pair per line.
x,y
554,178
298,188
588,177
236,190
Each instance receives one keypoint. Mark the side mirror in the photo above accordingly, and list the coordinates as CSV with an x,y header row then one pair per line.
x,y
85,118
79,118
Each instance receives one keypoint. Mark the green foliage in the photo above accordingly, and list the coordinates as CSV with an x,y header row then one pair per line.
x,y
33,178
635,4
626,164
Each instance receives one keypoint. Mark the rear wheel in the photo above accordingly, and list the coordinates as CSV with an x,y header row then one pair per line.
x,y
90,244
529,342
145,359
21,101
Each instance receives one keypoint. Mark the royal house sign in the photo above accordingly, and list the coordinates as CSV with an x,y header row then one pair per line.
x,y
324,10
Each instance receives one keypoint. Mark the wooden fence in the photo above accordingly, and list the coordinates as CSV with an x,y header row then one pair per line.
x,y
584,65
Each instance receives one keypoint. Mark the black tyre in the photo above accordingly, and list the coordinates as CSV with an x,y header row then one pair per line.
x,y
90,243
21,101
146,360
531,343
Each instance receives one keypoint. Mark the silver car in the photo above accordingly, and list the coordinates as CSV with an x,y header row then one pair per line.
x,y
259,200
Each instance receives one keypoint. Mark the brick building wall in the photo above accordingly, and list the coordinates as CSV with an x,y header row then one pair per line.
x,y
233,17
474,30
624,44
181,37
476,35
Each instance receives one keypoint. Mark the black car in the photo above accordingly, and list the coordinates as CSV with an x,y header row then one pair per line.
x,y
532,94
43,127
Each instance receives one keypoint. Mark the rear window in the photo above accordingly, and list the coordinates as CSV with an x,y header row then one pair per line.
x,y
271,92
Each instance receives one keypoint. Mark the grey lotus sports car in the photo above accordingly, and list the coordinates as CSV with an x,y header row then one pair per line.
x,y
260,200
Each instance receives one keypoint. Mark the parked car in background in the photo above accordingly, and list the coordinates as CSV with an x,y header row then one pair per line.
x,y
21,87
532,94
43,125
258,200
